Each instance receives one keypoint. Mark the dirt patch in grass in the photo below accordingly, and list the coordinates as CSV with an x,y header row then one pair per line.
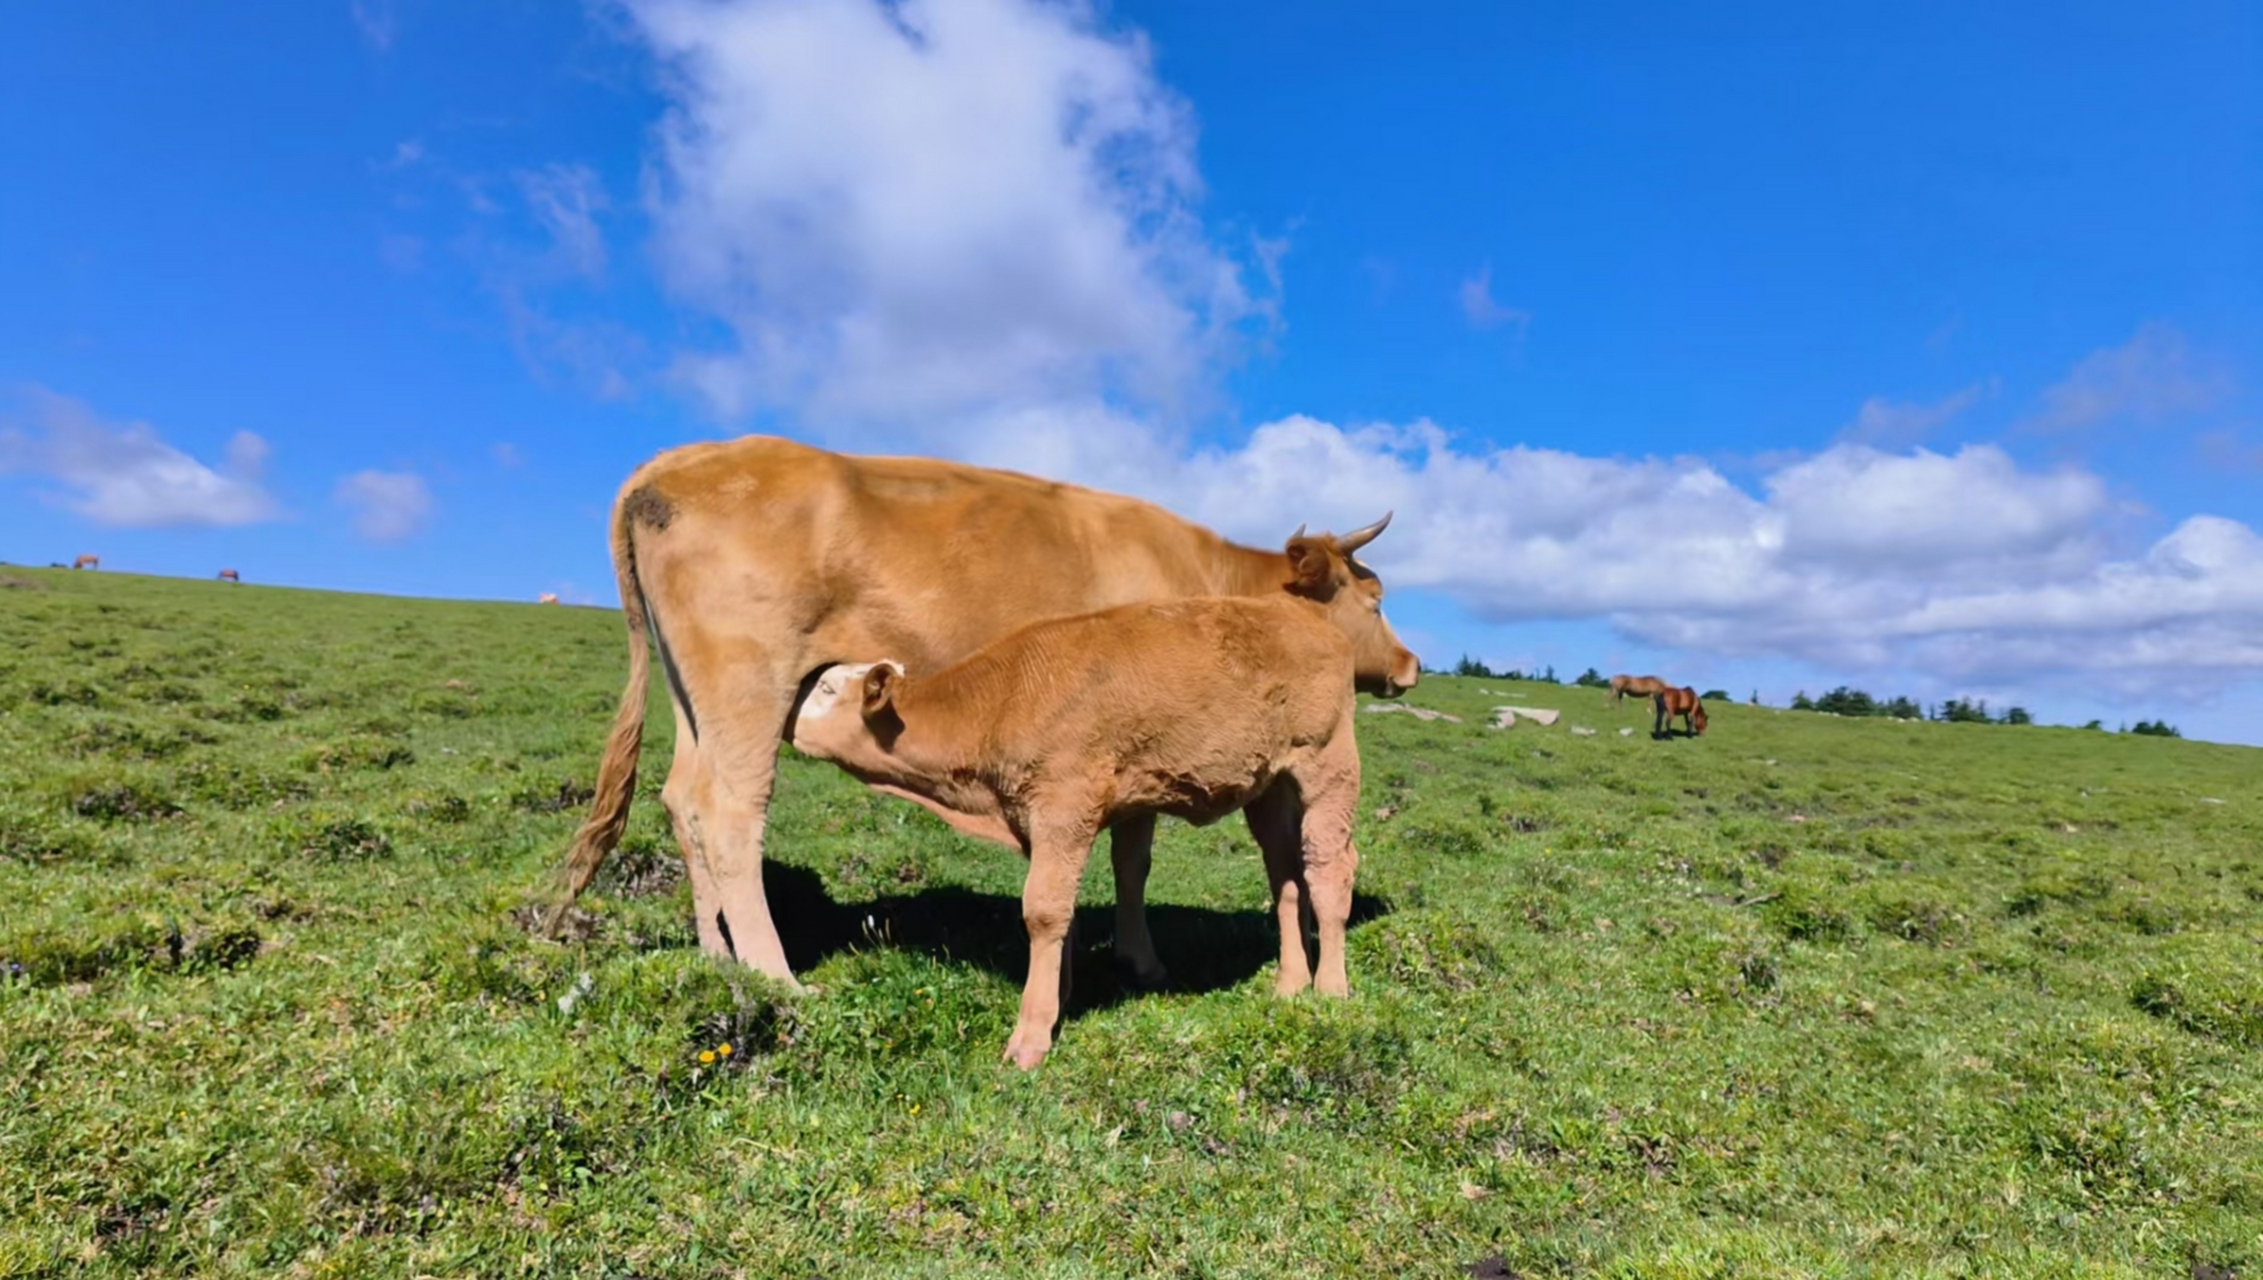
x,y
567,793
640,868
123,802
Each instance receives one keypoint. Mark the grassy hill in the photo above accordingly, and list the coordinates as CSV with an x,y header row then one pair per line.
x,y
1808,996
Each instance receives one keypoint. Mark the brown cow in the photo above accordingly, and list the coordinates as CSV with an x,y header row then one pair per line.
x,y
1195,708
753,564
547,597
1639,686
87,562
230,575
1677,702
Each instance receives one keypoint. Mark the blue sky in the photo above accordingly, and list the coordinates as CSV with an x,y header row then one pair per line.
x,y
1767,350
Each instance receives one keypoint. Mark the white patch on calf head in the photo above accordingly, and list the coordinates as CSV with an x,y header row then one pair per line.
x,y
837,691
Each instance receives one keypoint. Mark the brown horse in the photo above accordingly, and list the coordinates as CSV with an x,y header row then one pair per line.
x,y
1677,702
230,575
87,562
1639,686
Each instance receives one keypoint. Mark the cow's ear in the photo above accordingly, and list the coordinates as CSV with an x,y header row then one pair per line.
x,y
1311,570
880,688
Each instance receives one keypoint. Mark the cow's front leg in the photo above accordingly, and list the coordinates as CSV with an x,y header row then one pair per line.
x,y
1131,845
1048,908
1275,819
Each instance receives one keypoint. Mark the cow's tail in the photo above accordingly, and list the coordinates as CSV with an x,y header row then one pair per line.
x,y
616,770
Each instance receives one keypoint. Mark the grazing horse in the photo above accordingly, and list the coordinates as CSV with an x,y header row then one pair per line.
x,y
1677,702
230,575
547,597
87,562
1639,686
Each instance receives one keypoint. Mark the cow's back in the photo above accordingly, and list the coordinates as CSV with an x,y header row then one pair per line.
x,y
913,558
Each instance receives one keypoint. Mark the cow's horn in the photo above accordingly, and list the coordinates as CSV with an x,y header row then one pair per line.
x,y
1358,538
1298,534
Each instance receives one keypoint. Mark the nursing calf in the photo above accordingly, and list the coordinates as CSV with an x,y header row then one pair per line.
x,y
1042,739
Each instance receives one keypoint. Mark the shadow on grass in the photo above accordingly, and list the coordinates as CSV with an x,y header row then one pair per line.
x,y
1205,949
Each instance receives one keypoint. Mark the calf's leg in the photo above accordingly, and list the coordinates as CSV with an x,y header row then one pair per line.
x,y
1331,863
1048,906
1131,845
1275,819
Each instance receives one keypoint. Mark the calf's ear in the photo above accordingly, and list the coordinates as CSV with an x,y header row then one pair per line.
x,y
880,688
1311,572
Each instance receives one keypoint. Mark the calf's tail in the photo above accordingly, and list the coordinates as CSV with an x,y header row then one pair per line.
x,y
616,770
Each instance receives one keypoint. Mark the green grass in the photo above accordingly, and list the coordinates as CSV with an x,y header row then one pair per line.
x,y
1808,996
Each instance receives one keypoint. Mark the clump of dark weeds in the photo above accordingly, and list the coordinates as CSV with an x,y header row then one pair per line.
x,y
122,802
570,793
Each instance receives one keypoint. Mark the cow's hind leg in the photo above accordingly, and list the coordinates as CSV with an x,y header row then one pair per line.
x,y
1275,819
721,803
1131,845
1057,854
689,823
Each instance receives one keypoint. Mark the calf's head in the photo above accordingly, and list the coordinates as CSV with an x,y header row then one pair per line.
x,y
1324,569
849,716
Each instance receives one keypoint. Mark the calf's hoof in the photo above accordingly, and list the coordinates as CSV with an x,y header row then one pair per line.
x,y
1027,1049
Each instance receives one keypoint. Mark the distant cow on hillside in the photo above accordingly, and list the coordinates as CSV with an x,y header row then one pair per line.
x,y
230,575
547,597
87,562
1044,739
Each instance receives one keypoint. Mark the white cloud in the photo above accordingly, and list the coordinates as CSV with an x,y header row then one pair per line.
x,y
548,285
1855,506
1891,424
506,454
2149,379
598,355
969,227
126,475
1479,308
565,199
377,21
387,506
1965,564
904,210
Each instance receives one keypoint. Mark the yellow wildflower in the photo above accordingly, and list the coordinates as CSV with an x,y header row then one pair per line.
x,y
723,1049
706,1056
